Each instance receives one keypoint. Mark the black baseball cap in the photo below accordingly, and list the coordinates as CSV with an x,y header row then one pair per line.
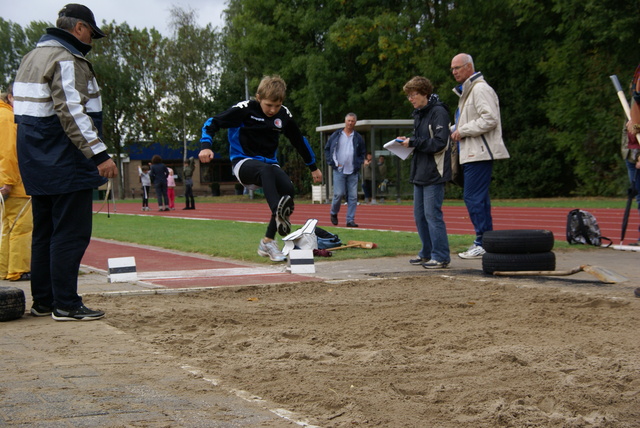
x,y
78,11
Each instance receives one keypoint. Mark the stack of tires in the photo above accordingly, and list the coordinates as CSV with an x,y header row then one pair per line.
x,y
518,250
12,303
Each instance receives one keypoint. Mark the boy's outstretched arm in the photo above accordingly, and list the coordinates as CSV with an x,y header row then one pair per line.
x,y
206,142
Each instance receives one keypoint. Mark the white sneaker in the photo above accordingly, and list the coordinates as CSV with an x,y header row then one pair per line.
x,y
270,249
474,252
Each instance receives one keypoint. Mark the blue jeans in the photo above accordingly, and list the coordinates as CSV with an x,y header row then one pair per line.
x,y
634,179
345,184
427,211
477,178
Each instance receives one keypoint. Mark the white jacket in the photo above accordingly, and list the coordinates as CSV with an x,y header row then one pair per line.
x,y
479,122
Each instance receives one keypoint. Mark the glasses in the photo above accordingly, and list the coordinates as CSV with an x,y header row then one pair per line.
x,y
90,30
457,68
410,96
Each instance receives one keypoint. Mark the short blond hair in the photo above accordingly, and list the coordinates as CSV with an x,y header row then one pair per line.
x,y
272,88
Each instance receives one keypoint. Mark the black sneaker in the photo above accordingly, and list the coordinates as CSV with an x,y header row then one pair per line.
x,y
40,310
418,261
80,314
434,264
284,210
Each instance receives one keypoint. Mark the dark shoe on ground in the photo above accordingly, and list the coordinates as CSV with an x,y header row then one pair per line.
x,y
24,277
418,261
351,224
334,219
186,208
40,310
434,264
80,314
284,210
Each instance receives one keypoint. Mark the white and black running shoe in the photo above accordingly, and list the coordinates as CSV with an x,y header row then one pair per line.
x,y
80,314
284,210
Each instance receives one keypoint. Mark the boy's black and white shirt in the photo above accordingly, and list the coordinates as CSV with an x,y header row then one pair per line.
x,y
254,135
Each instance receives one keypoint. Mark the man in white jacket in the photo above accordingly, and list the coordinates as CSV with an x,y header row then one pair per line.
x,y
478,132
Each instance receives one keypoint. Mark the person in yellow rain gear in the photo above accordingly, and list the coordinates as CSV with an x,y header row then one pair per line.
x,y
17,221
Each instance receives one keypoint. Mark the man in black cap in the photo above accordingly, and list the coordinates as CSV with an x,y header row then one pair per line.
x,y
62,158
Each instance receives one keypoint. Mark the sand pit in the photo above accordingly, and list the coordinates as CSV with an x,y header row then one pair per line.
x,y
446,351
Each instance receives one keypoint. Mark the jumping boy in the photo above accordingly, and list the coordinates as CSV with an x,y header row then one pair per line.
x,y
255,127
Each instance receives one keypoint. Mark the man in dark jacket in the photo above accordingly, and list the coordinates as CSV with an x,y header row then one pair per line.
x,y
430,170
344,151
62,158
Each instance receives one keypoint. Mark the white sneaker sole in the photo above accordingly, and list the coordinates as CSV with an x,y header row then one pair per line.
x,y
467,257
283,212
61,318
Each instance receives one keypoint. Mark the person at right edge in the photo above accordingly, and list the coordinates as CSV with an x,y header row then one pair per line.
x,y
478,133
630,149
62,158
430,171
344,152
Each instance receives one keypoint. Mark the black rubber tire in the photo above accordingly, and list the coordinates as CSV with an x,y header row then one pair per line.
x,y
518,241
492,262
12,303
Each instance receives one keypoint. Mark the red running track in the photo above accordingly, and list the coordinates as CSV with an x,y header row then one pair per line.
x,y
400,217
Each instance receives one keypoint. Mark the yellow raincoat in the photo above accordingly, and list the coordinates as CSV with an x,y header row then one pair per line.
x,y
15,247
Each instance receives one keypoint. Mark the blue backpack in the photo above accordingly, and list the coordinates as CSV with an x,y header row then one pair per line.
x,y
327,239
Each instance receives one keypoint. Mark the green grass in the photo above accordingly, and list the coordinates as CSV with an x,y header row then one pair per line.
x,y
239,240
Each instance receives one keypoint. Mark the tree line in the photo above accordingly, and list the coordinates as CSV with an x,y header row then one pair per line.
x,y
548,60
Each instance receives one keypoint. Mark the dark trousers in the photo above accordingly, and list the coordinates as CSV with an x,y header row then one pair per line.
x,y
274,182
477,179
188,193
367,189
161,193
145,195
61,235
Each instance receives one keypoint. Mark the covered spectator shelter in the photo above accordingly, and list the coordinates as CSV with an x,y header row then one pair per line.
x,y
376,133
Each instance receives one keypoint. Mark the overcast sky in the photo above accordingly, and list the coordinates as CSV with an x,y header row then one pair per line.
x,y
136,13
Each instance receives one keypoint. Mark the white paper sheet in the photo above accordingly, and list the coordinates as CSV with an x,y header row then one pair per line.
x,y
398,149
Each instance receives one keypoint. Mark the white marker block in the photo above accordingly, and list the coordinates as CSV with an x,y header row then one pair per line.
x,y
301,261
122,269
